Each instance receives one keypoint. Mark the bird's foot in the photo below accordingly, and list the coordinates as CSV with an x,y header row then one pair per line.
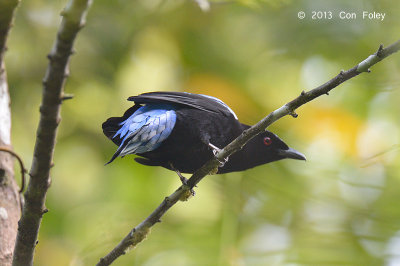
x,y
187,195
182,178
215,151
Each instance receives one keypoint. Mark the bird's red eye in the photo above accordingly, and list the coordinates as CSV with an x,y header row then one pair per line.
x,y
267,141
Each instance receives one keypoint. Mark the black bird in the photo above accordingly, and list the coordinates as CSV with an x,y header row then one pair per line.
x,y
181,131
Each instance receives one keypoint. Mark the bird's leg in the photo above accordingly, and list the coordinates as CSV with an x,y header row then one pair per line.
x,y
206,140
182,178
215,151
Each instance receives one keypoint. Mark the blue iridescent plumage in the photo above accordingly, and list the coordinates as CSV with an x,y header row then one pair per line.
x,y
145,129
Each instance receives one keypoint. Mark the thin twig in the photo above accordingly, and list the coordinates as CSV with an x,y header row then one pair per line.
x,y
73,20
137,234
21,165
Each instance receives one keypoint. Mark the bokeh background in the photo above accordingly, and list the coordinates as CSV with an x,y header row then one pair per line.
x,y
341,207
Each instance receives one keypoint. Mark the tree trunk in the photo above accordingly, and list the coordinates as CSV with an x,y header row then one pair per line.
x,y
9,196
10,210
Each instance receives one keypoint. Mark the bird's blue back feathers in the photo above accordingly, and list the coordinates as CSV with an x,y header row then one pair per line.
x,y
145,129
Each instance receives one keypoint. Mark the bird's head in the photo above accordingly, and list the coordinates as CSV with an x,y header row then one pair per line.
x,y
268,147
263,148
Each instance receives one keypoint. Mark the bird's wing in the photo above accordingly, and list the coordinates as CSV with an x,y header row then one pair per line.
x,y
112,125
144,130
198,101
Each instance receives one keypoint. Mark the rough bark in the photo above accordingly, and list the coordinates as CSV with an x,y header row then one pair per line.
x,y
9,196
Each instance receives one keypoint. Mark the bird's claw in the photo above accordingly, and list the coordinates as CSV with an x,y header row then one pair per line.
x,y
222,163
215,151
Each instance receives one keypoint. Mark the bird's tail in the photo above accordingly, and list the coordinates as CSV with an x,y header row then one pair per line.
x,y
112,125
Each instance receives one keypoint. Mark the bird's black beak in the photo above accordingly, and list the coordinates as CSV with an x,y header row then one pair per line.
x,y
292,154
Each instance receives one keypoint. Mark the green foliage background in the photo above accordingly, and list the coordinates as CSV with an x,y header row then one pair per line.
x,y
341,207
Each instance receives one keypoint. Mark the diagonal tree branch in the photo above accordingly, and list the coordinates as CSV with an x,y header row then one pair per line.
x,y
139,233
73,20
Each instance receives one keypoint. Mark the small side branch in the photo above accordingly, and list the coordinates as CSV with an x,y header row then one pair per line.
x,y
139,233
21,165
73,20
